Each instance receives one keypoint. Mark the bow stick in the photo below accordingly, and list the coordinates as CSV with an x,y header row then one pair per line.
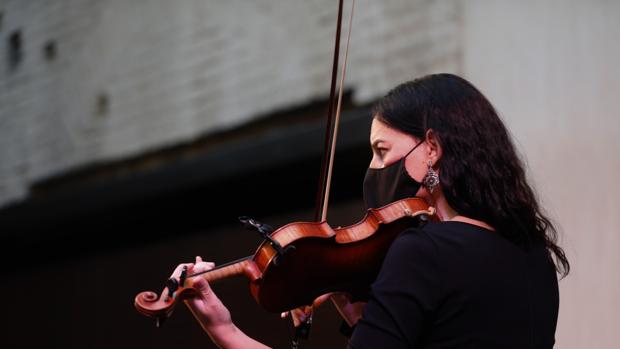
x,y
331,136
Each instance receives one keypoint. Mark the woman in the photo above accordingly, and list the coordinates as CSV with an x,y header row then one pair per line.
x,y
483,277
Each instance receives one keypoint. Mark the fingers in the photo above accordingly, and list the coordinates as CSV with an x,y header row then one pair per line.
x,y
201,266
341,299
197,267
199,261
302,313
321,299
200,284
177,271
298,315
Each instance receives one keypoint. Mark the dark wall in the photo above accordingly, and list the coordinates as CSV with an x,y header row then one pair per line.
x,y
86,302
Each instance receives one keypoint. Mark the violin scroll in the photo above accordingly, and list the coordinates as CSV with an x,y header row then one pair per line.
x,y
161,306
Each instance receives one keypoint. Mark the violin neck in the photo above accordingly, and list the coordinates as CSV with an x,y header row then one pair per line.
x,y
234,268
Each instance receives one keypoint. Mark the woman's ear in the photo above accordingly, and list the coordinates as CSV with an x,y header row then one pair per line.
x,y
433,146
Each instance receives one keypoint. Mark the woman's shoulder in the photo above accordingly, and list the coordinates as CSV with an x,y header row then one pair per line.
x,y
447,236
453,226
451,230
416,243
431,231
453,238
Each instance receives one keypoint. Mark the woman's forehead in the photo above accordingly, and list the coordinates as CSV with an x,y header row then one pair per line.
x,y
381,132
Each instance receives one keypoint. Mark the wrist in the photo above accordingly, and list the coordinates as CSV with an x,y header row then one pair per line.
x,y
229,336
350,312
340,300
224,335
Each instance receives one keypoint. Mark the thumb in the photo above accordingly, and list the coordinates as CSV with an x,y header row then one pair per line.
x,y
321,299
203,291
202,287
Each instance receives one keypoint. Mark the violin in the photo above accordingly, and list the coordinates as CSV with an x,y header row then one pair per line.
x,y
300,261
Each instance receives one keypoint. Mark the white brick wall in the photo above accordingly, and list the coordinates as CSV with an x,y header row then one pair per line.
x,y
174,70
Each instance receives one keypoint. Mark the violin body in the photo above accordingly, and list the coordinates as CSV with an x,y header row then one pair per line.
x,y
330,260
309,259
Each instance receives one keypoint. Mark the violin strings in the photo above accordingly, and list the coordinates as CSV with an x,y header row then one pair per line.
x,y
220,266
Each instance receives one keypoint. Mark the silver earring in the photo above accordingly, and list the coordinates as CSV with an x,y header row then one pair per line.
x,y
431,180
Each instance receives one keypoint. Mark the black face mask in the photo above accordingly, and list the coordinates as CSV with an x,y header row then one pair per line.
x,y
386,185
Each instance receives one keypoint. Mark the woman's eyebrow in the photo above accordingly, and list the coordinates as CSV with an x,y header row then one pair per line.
x,y
375,144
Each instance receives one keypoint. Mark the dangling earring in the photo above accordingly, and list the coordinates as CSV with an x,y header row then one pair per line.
x,y
431,180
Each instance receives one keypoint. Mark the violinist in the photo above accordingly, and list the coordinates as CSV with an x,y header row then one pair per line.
x,y
482,277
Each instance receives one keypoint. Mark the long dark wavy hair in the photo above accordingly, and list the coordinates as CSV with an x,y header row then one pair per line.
x,y
480,173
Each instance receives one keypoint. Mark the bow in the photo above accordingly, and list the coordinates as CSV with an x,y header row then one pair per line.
x,y
331,136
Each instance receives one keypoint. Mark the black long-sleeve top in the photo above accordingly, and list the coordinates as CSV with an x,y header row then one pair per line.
x,y
457,285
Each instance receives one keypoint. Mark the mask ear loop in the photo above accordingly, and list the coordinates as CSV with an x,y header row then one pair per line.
x,y
404,158
412,149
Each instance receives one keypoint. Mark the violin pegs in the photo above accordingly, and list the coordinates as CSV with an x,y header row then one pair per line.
x,y
183,276
172,285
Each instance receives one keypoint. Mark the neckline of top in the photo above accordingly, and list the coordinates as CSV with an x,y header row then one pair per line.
x,y
471,225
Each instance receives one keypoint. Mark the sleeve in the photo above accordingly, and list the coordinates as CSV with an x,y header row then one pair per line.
x,y
403,297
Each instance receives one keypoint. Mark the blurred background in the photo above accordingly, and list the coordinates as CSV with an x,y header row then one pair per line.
x,y
134,133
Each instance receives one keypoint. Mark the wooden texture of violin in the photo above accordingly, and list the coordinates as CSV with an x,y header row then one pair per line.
x,y
319,259
327,260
